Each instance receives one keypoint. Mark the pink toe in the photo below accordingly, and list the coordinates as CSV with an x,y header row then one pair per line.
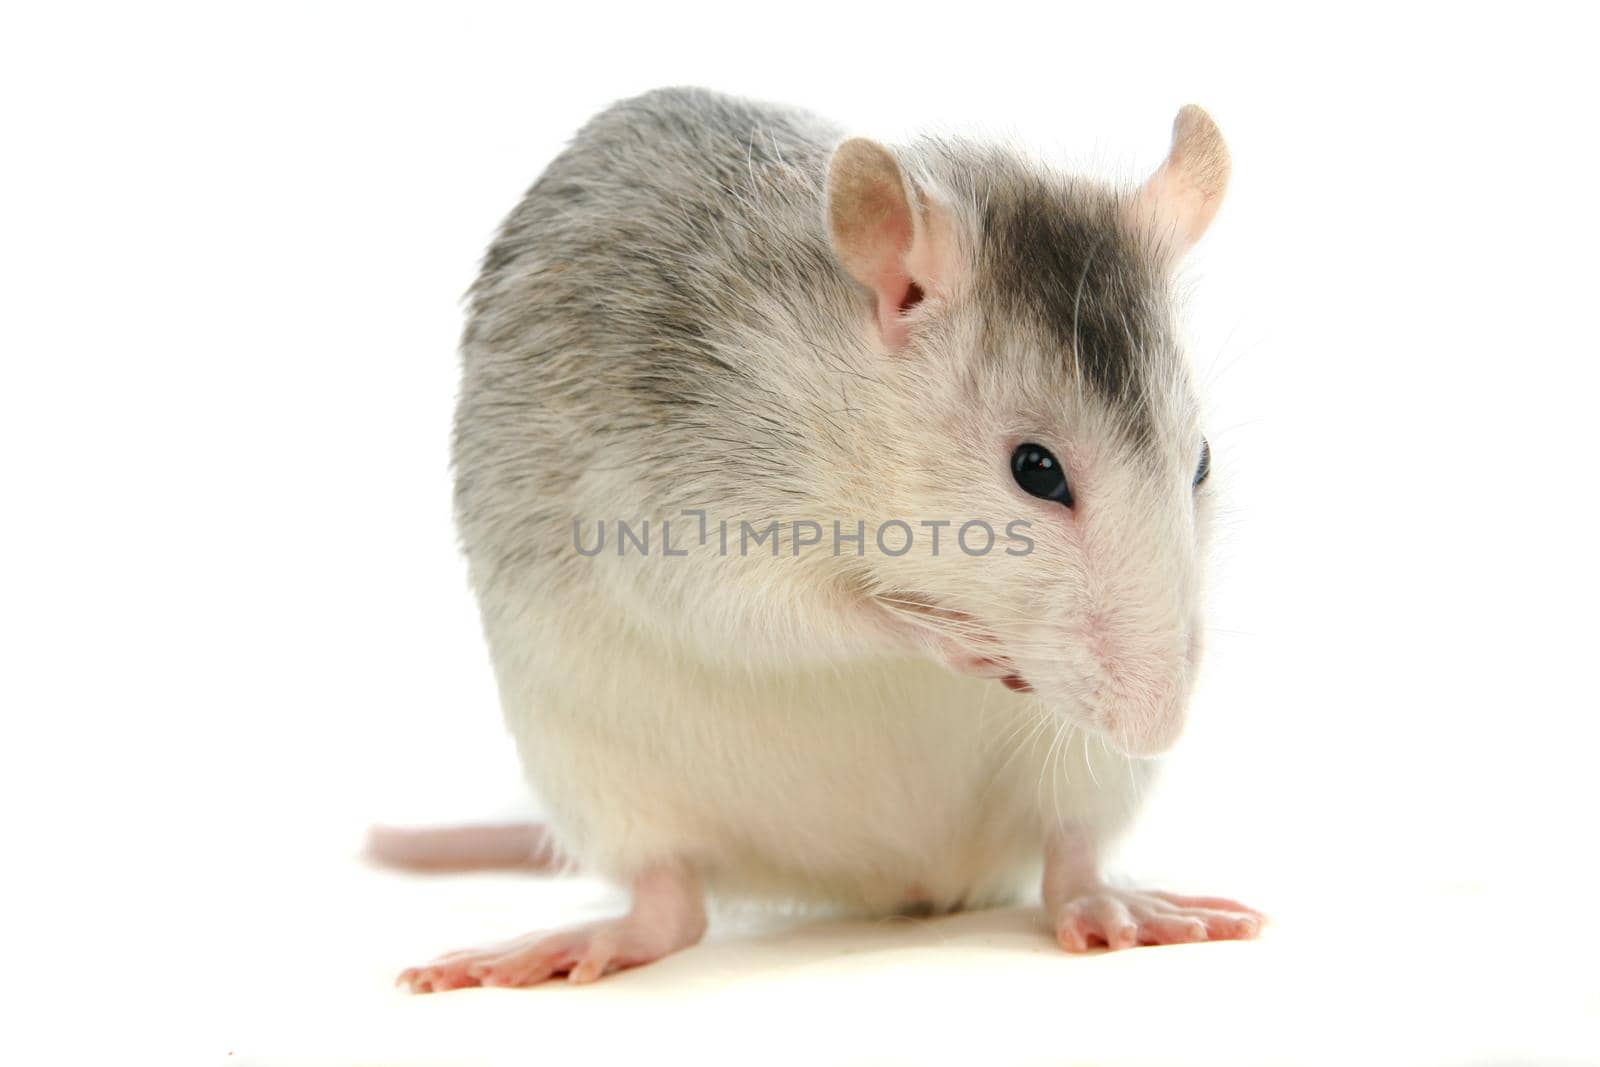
x,y
1214,903
589,969
1178,931
1235,927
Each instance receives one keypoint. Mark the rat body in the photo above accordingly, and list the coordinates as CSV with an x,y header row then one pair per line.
x,y
740,400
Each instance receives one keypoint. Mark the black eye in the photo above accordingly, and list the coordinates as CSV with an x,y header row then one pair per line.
x,y
1040,474
1204,470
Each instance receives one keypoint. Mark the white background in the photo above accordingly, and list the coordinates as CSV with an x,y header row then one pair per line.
x,y
236,628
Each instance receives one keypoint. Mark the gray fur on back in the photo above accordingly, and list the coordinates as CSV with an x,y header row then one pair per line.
x,y
611,319
665,298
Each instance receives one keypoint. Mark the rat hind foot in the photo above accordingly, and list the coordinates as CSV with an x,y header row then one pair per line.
x,y
667,915
583,954
1119,918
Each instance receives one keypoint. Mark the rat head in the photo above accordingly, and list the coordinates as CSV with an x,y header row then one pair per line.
x,y
1022,327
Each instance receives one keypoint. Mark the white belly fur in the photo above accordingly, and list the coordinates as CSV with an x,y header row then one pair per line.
x,y
870,786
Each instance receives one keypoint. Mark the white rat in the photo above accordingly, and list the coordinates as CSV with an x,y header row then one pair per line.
x,y
837,515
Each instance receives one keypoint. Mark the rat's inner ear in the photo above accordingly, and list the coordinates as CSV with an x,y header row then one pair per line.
x,y
1180,199
886,233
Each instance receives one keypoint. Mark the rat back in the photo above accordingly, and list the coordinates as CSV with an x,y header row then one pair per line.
x,y
643,303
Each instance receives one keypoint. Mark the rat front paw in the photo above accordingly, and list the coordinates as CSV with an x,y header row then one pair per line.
x,y
1118,918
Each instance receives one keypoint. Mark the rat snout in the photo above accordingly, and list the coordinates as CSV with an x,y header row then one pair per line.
x,y
1131,683
1151,729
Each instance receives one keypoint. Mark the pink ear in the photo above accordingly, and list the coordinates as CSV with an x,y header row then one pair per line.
x,y
885,233
1179,200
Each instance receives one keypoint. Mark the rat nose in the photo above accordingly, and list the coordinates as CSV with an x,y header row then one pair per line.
x,y
1136,681
1153,731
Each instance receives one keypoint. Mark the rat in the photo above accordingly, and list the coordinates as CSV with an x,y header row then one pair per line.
x,y
837,514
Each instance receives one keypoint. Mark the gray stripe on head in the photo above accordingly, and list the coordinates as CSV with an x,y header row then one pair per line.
x,y
1062,259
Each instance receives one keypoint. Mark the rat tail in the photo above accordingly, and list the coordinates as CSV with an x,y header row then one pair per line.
x,y
508,846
